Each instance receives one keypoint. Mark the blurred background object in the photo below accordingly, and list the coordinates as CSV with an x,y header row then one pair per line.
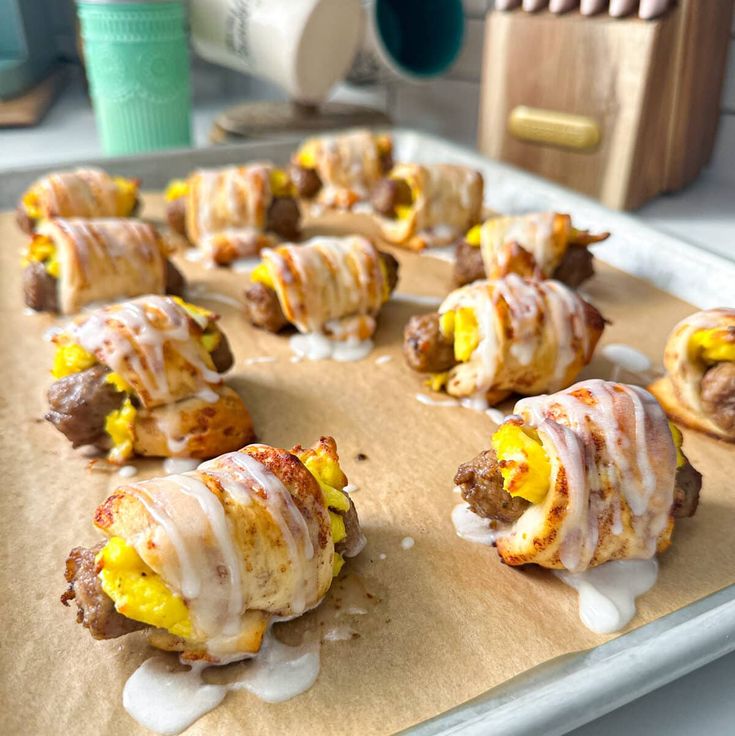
x,y
619,109
137,63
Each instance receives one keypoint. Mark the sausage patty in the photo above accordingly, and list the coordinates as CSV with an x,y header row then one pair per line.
x,y
284,218
79,403
718,394
39,288
176,215
222,354
354,540
389,194
95,609
426,349
306,181
175,281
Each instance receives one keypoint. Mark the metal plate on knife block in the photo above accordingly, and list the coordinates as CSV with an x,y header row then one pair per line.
x,y
618,109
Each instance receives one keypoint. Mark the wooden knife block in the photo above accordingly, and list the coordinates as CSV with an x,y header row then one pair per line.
x,y
618,109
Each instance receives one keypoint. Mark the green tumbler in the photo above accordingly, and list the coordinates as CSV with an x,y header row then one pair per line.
x,y
137,61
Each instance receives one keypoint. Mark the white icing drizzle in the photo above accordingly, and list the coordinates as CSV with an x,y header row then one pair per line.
x,y
350,488
407,542
626,357
431,401
314,346
496,415
383,359
382,556
260,359
84,192
127,471
607,593
472,527
341,632
424,300
167,702
173,465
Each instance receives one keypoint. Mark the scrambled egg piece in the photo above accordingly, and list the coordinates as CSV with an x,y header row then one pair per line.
x,y
474,236
261,275
523,462
307,155
714,345
71,358
403,211
31,204
138,592
42,250
678,441
281,184
120,425
437,381
461,323
119,382
331,480
127,195
176,189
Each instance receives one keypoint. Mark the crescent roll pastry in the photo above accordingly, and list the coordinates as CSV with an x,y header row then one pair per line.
x,y
492,338
334,286
543,244
86,192
577,478
233,212
205,560
341,170
425,205
143,377
698,389
70,263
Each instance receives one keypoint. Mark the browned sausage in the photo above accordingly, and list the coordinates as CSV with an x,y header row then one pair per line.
x,y
39,288
482,488
176,215
468,264
392,267
688,484
284,218
718,394
389,194
222,355
306,181
575,267
426,349
23,220
263,309
175,281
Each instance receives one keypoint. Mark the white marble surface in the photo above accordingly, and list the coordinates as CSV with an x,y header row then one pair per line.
x,y
703,214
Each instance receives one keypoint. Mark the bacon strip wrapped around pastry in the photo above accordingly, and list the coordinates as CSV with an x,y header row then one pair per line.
x,y
427,205
493,338
577,478
204,560
143,377
334,286
341,170
544,245
83,193
698,389
233,212
71,263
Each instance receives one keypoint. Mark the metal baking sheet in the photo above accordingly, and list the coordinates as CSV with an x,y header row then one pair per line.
x,y
564,693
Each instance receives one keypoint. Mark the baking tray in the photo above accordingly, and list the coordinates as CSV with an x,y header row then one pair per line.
x,y
566,692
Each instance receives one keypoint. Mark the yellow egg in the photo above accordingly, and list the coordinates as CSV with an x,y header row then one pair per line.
x,y
119,382
337,523
176,189
523,462
474,236
127,195
437,381
138,592
199,314
714,345
446,324
307,155
41,249
31,204
71,358
120,426
466,334
211,339
261,275
678,441
281,184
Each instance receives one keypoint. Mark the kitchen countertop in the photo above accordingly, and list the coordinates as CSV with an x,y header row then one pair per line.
x,y
703,214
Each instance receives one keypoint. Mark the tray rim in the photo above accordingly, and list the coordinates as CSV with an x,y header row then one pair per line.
x,y
616,672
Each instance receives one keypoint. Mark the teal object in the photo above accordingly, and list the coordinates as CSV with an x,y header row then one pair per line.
x,y
137,62
423,37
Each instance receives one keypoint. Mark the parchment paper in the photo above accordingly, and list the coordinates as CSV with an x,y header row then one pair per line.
x,y
447,621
